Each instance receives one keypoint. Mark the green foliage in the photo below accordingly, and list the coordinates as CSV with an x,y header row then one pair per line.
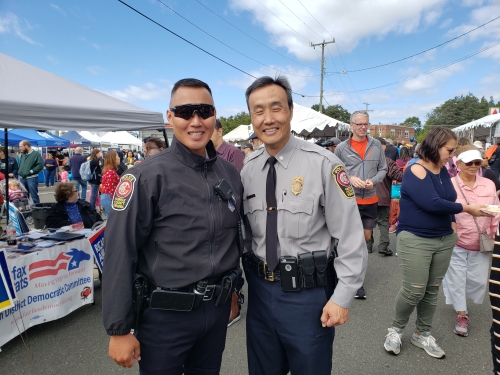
x,y
459,110
415,123
232,122
335,111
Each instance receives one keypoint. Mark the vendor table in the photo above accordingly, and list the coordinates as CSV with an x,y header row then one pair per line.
x,y
50,284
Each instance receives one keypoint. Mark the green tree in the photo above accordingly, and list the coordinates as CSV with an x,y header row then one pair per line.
x,y
459,110
415,123
335,111
232,122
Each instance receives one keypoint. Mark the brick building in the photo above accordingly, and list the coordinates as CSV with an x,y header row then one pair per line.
x,y
397,132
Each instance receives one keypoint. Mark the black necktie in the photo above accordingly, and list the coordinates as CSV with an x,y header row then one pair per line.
x,y
272,217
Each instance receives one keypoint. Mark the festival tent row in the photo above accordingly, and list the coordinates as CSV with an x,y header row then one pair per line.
x,y
76,140
94,138
36,138
485,127
306,122
121,138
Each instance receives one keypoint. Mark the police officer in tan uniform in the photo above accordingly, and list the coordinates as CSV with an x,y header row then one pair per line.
x,y
298,204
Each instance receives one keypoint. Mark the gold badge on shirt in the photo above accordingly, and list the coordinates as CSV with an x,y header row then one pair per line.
x,y
297,185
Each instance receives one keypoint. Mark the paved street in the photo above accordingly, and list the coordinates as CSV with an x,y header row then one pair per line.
x,y
77,344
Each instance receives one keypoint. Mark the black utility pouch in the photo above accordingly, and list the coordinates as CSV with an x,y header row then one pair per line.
x,y
172,300
306,262
320,262
229,283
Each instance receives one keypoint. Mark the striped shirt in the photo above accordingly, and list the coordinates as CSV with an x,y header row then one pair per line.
x,y
495,302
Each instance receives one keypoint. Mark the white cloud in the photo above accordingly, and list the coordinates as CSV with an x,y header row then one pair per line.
x,y
348,21
96,46
96,70
56,7
472,3
146,92
446,23
52,59
10,24
430,80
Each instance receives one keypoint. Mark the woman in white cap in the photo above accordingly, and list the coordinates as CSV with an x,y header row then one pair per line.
x,y
467,275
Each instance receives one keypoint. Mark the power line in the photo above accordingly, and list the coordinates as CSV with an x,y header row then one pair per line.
x,y
228,46
345,68
314,18
300,19
251,37
299,34
194,45
430,71
427,50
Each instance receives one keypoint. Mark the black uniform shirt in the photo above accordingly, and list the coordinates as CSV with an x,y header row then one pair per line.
x,y
167,217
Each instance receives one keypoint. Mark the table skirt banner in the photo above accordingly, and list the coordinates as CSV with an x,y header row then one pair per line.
x,y
97,242
49,284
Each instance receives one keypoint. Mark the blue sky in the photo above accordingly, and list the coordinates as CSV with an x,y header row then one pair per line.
x,y
107,46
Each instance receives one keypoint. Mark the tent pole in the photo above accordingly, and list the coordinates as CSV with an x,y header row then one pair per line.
x,y
6,161
166,138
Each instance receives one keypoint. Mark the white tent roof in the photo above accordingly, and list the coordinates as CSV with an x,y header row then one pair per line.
x,y
32,98
121,138
91,137
241,133
309,123
305,122
483,127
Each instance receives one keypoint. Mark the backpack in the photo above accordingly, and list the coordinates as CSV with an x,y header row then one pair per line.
x,y
85,172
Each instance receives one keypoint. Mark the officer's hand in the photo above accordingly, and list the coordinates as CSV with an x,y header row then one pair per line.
x,y
334,315
357,182
368,184
124,350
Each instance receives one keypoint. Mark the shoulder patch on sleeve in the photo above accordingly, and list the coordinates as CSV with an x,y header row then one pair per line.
x,y
124,191
342,180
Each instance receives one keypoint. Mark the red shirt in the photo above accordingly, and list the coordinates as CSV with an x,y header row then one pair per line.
x,y
109,182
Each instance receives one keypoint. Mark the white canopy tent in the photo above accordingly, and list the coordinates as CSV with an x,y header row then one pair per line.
x,y
241,133
121,138
306,122
31,98
485,127
91,137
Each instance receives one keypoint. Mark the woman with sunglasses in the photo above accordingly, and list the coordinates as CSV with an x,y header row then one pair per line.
x,y
467,275
425,238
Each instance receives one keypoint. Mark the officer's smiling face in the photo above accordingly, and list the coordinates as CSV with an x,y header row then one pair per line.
x,y
195,132
271,117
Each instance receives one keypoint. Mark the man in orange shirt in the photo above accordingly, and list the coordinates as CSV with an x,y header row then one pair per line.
x,y
366,166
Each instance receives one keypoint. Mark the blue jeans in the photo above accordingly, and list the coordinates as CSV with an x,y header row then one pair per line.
x,y
94,190
79,182
31,184
50,176
106,204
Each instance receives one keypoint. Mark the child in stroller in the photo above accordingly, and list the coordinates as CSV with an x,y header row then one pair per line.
x,y
18,196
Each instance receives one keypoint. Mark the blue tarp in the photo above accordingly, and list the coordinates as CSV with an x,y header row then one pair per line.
x,y
13,139
37,138
76,139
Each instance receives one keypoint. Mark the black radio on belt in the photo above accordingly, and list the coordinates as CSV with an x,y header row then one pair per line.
x,y
289,274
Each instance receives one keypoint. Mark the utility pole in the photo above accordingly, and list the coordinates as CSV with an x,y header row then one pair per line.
x,y
322,71
367,104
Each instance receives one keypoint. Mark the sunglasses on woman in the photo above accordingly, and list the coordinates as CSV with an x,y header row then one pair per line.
x,y
186,111
477,163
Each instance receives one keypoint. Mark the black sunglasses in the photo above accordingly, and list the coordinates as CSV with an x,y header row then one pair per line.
x,y
476,163
186,111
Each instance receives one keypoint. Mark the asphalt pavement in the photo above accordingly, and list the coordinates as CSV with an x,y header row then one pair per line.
x,y
77,344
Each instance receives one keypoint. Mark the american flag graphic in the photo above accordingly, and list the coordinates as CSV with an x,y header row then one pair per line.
x,y
48,267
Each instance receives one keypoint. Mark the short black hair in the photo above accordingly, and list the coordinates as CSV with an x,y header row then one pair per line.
x,y
281,81
218,125
190,82
158,142
382,141
435,139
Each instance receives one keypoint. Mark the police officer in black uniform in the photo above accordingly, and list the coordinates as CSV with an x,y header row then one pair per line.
x,y
169,225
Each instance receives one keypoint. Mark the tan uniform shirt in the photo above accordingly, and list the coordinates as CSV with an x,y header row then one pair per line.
x,y
316,205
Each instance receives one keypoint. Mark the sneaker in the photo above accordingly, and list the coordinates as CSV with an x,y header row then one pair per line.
x,y
386,252
428,343
383,251
392,228
393,340
360,294
369,246
462,325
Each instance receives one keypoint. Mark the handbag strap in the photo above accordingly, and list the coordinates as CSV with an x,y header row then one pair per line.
x,y
466,201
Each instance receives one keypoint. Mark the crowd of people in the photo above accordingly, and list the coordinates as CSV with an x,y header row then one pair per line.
x,y
266,204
